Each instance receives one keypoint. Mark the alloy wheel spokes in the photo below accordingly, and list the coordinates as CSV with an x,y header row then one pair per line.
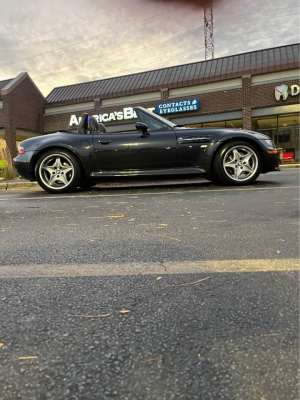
x,y
240,163
49,168
230,164
56,171
57,163
236,155
237,172
247,158
63,179
248,168
52,179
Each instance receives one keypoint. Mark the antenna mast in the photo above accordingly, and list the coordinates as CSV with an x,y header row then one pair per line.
x,y
209,30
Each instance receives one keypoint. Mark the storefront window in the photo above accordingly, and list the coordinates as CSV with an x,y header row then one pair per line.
x,y
284,131
234,123
220,124
288,137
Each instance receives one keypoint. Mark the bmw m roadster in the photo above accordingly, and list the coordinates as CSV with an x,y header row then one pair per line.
x,y
65,160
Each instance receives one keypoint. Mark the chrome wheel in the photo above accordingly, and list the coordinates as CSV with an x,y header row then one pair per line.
x,y
56,171
240,163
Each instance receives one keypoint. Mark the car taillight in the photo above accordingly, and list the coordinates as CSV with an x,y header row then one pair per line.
x,y
21,150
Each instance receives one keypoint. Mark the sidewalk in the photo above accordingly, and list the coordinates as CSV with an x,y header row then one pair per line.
x,y
22,184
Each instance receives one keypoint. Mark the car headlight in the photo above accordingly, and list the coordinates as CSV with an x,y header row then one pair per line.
x,y
268,143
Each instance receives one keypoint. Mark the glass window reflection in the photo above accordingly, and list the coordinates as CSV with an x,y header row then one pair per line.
x,y
284,131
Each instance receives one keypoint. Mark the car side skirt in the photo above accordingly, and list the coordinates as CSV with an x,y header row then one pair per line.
x,y
149,172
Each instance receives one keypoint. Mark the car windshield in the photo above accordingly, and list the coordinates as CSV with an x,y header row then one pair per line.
x,y
165,121
152,119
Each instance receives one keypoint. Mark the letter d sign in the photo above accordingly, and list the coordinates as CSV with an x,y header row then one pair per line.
x,y
295,89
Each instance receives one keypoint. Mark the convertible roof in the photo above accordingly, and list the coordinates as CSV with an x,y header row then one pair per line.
x,y
255,62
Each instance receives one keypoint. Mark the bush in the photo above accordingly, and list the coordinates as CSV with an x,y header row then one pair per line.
x,y
7,169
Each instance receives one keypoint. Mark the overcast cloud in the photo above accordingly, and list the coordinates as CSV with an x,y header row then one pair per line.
x,y
62,43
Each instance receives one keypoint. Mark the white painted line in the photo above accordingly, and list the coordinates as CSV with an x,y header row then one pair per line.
x,y
136,195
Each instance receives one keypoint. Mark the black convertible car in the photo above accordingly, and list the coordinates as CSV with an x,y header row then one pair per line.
x,y
65,160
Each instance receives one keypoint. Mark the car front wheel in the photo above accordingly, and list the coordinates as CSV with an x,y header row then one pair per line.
x,y
57,171
237,163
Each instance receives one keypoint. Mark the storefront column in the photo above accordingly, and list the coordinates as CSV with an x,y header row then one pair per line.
x,y
98,104
247,118
247,102
164,93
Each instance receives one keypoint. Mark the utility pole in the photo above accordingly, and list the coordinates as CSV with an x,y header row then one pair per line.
x,y
209,30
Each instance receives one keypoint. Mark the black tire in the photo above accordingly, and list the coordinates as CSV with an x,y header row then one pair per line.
x,y
47,166
226,176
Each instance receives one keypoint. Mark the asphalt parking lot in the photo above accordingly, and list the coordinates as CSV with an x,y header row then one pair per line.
x,y
207,275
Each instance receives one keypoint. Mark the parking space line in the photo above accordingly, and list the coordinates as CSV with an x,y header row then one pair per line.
x,y
167,268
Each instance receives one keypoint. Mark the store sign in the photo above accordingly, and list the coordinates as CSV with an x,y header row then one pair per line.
x,y
178,106
282,91
127,113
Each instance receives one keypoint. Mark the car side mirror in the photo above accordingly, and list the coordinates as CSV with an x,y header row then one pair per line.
x,y
141,127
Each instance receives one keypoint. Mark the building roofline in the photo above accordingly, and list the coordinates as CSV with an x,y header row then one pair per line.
x,y
198,72
16,81
6,80
172,66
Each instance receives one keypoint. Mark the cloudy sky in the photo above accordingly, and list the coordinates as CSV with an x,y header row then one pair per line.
x,y
65,42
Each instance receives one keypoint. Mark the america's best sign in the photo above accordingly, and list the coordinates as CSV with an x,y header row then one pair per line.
x,y
127,113
282,91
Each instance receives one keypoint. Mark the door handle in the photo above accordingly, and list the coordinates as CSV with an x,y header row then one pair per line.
x,y
104,141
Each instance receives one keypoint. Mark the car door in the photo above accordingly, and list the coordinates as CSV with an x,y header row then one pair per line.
x,y
135,151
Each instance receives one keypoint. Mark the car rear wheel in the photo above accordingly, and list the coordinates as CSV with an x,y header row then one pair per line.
x,y
237,163
58,171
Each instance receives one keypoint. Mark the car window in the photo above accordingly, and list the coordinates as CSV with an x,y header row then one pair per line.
x,y
152,123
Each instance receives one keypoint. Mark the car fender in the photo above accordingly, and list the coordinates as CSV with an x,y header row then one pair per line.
x,y
72,143
251,138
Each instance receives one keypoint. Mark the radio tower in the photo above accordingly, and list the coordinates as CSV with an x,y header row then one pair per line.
x,y
209,30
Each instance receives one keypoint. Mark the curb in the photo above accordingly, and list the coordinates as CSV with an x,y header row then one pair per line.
x,y
289,166
18,185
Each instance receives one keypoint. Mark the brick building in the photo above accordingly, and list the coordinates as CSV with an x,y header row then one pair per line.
x,y
21,110
257,90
